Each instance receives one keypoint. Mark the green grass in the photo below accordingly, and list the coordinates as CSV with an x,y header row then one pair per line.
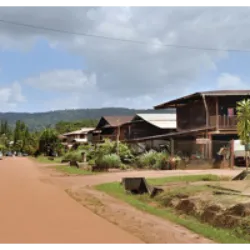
x,y
187,178
72,170
44,159
142,203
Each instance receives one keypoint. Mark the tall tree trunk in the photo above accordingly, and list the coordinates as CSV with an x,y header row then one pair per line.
x,y
246,158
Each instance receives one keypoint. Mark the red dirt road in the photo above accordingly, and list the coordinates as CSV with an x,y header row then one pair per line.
x,y
36,211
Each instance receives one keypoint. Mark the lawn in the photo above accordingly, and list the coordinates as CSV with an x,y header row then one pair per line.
x,y
141,202
44,159
72,170
187,178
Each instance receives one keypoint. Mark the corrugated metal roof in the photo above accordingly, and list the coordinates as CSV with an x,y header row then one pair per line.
x,y
163,121
80,131
205,93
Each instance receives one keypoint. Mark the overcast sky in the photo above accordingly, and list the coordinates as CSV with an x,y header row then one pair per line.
x,y
43,70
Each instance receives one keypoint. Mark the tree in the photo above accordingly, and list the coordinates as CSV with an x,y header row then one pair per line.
x,y
48,141
64,126
243,125
21,136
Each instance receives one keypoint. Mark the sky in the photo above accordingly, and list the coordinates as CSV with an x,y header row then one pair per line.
x,y
41,70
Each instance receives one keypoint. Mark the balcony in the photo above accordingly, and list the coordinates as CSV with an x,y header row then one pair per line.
x,y
223,121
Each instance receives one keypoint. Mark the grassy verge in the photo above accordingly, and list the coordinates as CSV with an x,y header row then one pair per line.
x,y
72,170
44,159
142,203
187,178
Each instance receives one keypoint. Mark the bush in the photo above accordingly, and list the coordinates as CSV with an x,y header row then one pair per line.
x,y
162,161
73,156
109,161
125,153
109,148
146,160
153,160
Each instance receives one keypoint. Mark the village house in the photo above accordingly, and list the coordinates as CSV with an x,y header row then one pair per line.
x,y
143,126
205,121
109,127
76,137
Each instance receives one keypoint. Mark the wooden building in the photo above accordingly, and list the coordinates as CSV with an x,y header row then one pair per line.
x,y
143,126
209,115
76,137
110,127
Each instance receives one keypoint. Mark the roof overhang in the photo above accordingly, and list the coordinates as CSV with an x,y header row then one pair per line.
x,y
198,95
173,134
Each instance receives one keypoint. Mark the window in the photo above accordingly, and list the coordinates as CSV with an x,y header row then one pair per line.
x,y
230,112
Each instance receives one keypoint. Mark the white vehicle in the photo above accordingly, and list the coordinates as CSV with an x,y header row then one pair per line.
x,y
1,155
239,153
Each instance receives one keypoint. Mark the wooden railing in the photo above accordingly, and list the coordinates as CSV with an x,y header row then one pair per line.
x,y
223,121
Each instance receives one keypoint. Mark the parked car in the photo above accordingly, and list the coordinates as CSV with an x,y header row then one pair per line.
x,y
9,154
25,154
1,155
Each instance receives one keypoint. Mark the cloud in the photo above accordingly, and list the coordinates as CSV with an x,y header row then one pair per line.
x,y
78,89
11,96
129,71
69,81
229,81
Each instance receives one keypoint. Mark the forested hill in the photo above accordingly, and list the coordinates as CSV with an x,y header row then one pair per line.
x,y
37,121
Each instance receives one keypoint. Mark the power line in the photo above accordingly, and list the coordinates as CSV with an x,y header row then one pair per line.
x,y
119,39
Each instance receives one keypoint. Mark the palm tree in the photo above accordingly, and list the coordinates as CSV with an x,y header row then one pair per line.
x,y
243,124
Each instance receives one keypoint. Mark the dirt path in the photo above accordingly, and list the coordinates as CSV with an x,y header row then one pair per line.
x,y
66,181
33,210
149,228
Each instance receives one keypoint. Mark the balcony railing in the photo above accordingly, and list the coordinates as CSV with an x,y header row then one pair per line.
x,y
224,121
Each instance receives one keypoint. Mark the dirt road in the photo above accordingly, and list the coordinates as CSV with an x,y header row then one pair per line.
x,y
33,210
149,228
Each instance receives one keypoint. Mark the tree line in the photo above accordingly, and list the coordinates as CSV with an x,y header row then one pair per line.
x,y
46,141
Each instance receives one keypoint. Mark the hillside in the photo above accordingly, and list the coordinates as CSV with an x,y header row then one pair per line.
x,y
37,121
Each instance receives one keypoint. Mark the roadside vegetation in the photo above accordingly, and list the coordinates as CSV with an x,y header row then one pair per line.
x,y
71,170
165,205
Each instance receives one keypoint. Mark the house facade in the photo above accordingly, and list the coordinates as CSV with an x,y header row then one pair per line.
x,y
206,118
110,127
77,137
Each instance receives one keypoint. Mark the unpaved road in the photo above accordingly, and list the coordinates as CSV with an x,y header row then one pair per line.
x,y
149,228
33,210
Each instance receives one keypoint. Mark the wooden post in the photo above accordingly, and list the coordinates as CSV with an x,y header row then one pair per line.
x,y
210,147
217,113
232,154
118,130
84,159
129,131
172,146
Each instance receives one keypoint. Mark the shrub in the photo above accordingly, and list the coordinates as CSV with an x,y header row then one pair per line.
x,y
147,160
73,156
91,162
109,161
152,159
125,153
162,161
109,148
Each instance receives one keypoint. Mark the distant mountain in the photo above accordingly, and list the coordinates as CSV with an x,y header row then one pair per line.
x,y
37,121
